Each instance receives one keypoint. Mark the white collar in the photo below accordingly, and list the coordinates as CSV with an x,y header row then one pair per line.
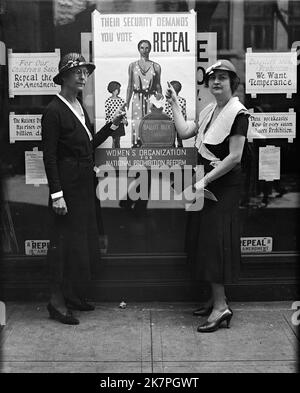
x,y
220,128
76,114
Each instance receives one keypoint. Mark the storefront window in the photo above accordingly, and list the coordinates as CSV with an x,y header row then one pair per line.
x,y
258,27
219,24
25,215
294,22
274,204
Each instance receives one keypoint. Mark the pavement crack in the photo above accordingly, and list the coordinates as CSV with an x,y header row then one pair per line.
x,y
290,328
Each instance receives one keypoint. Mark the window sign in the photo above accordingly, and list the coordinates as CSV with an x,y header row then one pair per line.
x,y
272,125
32,73
24,127
206,56
269,163
36,247
271,73
256,244
34,168
136,55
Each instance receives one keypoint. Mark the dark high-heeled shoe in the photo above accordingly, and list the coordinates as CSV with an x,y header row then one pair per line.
x,y
202,311
82,305
66,318
208,327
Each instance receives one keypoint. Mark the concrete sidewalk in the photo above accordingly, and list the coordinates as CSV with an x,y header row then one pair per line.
x,y
149,337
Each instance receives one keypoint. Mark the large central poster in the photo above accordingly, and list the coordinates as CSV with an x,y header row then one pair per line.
x,y
135,56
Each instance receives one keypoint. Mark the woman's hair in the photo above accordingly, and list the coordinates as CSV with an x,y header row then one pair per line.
x,y
176,86
146,41
234,81
64,76
113,85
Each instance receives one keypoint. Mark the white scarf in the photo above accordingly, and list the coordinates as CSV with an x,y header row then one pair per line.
x,y
76,114
219,129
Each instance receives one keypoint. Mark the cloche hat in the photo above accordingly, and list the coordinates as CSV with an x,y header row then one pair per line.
x,y
224,65
69,61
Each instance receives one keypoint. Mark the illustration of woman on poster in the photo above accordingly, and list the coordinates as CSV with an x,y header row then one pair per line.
x,y
143,82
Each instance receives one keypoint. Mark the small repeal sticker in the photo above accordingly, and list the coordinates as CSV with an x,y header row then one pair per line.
x,y
36,247
256,244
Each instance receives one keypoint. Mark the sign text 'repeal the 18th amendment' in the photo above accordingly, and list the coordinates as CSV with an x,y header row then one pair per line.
x,y
32,73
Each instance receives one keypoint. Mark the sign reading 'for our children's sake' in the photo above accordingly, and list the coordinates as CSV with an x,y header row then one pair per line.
x,y
32,73
271,73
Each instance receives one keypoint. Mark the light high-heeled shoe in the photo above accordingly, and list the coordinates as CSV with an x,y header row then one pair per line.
x,y
209,327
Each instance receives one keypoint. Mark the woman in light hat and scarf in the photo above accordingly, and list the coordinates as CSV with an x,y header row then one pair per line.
x,y
220,138
68,143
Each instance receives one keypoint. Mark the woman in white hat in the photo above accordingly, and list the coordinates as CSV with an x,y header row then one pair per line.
x,y
220,138
68,143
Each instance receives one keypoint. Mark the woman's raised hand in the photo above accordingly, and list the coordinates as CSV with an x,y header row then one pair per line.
x,y
159,96
170,94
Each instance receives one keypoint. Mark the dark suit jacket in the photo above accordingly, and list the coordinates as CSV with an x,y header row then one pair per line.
x,y
64,136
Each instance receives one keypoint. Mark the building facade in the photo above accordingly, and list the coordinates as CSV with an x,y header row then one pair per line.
x,y
143,255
